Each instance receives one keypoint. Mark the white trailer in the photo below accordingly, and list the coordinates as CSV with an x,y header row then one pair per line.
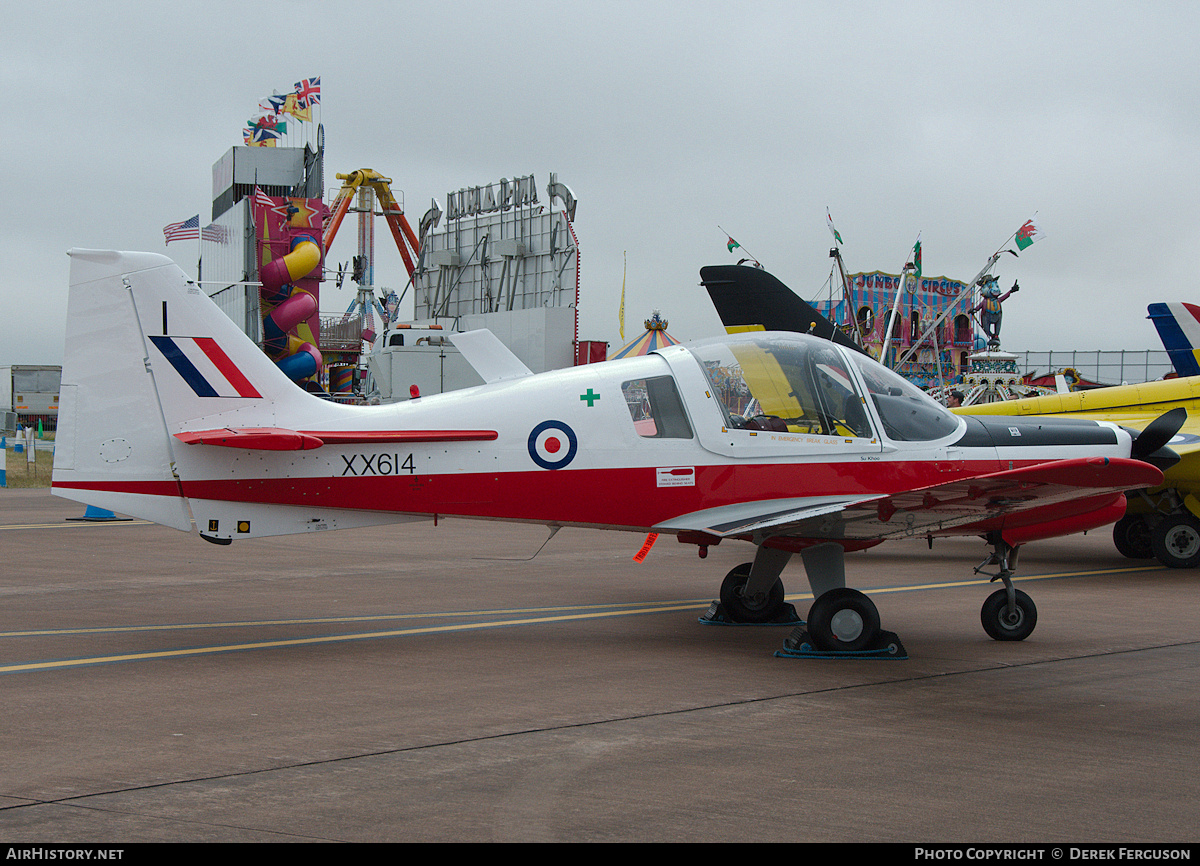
x,y
30,389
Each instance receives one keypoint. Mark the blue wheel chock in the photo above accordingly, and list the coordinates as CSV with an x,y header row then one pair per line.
x,y
886,645
716,615
92,514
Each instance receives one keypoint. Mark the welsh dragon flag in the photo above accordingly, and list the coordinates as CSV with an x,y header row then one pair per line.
x,y
1028,233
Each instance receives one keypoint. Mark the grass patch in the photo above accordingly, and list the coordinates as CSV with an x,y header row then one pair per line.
x,y
21,475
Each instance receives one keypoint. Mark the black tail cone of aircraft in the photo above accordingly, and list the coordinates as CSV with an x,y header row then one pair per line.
x,y
1150,446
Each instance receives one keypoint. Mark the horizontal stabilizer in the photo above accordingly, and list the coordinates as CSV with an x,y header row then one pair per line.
x,y
254,438
279,439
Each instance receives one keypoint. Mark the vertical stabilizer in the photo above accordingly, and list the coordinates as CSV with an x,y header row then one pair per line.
x,y
111,450
1178,326
149,355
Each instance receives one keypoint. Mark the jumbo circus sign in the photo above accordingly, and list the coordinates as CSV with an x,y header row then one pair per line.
x,y
878,280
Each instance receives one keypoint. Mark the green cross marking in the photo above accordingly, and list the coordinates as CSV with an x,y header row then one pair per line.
x,y
590,396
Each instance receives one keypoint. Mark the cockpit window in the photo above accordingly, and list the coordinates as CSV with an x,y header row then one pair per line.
x,y
908,414
796,386
655,408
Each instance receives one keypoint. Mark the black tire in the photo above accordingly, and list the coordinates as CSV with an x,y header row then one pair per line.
x,y
742,609
842,620
1131,535
1176,541
1000,624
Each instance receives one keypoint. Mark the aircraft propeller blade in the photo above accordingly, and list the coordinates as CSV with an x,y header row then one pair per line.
x,y
1150,444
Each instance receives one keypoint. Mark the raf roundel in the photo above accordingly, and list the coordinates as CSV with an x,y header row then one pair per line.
x,y
552,445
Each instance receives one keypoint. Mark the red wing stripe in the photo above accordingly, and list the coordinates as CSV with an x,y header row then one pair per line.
x,y
228,369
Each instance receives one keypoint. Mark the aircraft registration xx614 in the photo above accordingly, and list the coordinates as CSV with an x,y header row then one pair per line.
x,y
795,444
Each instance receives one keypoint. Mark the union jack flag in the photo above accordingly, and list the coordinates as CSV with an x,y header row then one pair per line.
x,y
308,92
189,229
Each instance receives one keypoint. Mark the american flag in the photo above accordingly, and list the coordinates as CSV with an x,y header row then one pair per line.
x,y
189,229
308,92
262,199
281,206
215,233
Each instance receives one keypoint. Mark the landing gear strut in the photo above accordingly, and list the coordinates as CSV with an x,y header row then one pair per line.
x,y
842,623
1007,614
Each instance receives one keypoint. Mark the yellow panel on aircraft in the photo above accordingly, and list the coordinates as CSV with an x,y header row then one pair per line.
x,y
767,382
771,387
1150,397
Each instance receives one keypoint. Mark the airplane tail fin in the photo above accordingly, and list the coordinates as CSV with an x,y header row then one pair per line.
x,y
748,298
147,355
1178,326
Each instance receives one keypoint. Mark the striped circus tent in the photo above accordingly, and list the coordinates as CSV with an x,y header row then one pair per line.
x,y
655,337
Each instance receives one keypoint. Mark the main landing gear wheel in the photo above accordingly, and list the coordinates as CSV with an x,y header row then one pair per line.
x,y
1131,535
843,620
763,607
1176,541
1001,623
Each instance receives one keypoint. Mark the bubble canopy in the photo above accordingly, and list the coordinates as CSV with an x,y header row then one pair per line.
x,y
801,384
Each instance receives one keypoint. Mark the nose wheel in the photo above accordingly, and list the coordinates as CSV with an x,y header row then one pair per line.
x,y
1007,614
1005,619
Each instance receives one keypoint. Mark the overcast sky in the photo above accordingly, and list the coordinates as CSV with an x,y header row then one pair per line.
x,y
955,120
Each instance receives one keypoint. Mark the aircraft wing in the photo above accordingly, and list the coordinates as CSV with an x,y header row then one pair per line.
x,y
974,504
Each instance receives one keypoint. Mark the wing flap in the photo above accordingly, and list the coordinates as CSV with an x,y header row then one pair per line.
x,y
748,517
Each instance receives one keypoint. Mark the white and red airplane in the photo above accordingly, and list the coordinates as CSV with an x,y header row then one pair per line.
x,y
795,444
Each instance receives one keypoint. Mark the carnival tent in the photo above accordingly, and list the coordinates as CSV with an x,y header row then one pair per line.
x,y
656,337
